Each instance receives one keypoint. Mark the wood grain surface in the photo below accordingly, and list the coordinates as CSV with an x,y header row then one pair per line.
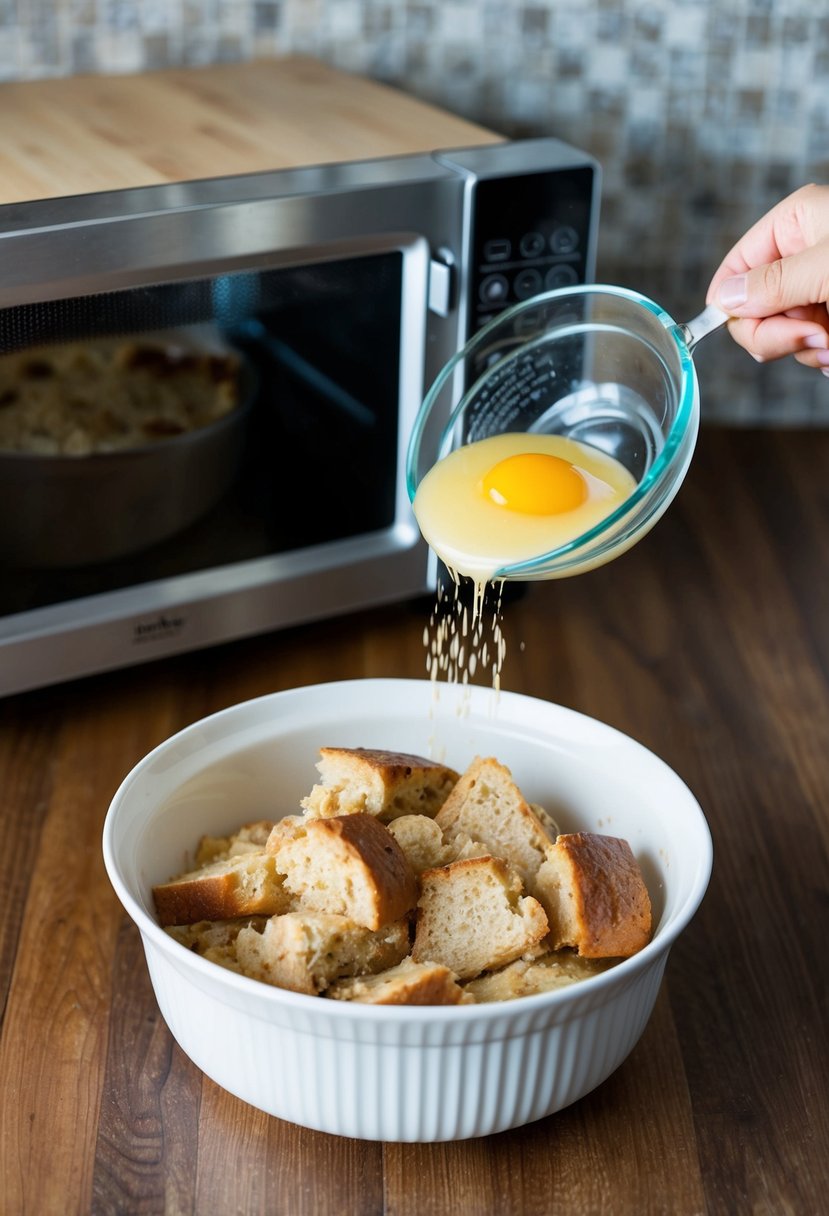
x,y
81,134
709,643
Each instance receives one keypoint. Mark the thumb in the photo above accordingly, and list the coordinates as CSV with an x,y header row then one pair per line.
x,y
801,279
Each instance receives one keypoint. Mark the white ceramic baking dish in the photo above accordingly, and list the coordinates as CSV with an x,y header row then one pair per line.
x,y
398,1073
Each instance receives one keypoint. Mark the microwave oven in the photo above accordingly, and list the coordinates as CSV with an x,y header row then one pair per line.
x,y
335,293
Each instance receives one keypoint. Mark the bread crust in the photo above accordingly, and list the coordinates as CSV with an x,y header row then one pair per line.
x,y
246,885
365,780
595,896
349,865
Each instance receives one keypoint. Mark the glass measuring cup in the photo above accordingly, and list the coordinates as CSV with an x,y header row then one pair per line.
x,y
602,365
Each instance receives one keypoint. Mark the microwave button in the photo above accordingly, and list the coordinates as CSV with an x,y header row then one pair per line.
x,y
494,288
527,283
564,240
497,250
532,245
560,276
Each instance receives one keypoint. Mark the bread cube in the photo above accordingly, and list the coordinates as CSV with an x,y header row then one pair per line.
x,y
349,865
595,896
362,780
472,917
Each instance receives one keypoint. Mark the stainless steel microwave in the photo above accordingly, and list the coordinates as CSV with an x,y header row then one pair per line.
x,y
336,293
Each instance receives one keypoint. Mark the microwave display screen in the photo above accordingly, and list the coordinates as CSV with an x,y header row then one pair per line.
x,y
297,370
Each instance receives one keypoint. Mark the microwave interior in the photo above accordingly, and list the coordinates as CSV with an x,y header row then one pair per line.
x,y
315,351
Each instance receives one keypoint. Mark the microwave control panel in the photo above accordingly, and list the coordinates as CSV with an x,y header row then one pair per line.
x,y
531,233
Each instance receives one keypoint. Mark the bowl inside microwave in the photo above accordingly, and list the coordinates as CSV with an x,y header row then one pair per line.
x,y
63,510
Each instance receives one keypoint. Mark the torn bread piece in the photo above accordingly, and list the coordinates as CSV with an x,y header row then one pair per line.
x,y
250,838
349,865
487,805
306,951
422,841
595,896
288,828
215,940
425,846
362,780
526,977
247,885
546,820
473,917
408,983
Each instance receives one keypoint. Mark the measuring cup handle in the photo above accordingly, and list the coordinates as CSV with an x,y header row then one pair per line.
x,y
700,327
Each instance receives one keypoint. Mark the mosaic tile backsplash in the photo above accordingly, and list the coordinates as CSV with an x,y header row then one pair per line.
x,y
702,112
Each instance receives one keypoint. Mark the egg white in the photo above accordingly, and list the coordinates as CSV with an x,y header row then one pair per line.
x,y
476,537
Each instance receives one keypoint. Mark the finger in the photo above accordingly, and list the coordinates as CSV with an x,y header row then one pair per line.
x,y
815,314
817,360
774,337
791,282
797,222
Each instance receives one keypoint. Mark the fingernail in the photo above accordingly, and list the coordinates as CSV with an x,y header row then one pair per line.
x,y
816,341
733,292
825,371
823,358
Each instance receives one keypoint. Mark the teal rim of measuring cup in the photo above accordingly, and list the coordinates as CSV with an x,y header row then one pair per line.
x,y
672,444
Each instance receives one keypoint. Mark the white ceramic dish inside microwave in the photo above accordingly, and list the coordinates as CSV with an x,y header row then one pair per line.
x,y
403,1073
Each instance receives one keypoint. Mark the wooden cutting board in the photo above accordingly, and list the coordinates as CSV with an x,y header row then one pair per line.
x,y
81,134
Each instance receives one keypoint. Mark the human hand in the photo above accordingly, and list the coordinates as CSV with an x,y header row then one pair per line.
x,y
775,282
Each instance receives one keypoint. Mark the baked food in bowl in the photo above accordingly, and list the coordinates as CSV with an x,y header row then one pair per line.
x,y
110,446
405,1073
111,395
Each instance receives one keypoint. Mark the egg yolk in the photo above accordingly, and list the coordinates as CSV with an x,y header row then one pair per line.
x,y
535,484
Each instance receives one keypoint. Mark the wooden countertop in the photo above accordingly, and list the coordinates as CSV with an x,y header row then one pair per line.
x,y
709,643
81,134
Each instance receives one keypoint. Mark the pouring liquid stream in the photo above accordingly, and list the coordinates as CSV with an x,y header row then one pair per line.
x,y
579,432
492,503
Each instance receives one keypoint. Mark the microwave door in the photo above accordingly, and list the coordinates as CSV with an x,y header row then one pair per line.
x,y
317,520
338,351
326,301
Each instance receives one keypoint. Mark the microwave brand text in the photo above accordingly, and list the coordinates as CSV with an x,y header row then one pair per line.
x,y
158,629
